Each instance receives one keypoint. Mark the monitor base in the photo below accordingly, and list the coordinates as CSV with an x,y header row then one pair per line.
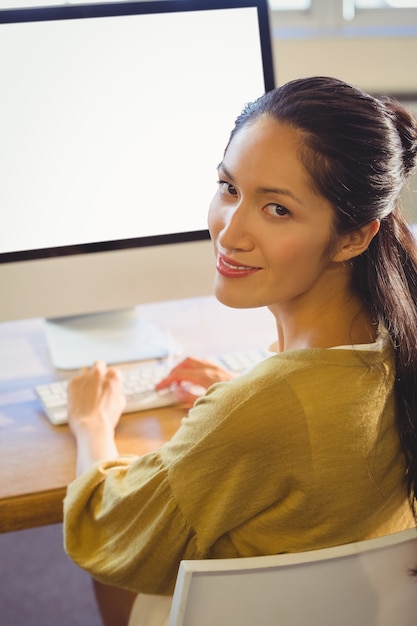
x,y
115,337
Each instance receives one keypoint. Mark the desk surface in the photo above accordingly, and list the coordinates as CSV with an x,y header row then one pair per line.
x,y
37,460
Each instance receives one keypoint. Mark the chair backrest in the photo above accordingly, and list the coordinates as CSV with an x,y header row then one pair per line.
x,y
367,583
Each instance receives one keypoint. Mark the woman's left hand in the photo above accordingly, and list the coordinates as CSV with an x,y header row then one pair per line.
x,y
95,395
95,404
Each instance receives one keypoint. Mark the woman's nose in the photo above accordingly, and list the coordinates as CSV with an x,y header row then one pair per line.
x,y
235,233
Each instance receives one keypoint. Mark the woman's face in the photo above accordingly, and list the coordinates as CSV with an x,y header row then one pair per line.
x,y
270,228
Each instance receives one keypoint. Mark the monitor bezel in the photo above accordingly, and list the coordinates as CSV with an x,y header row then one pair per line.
x,y
85,11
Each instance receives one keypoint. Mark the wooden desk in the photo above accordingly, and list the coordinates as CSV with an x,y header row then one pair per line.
x,y
37,460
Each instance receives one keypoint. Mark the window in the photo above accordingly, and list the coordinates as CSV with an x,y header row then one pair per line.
x,y
343,18
302,5
387,8
385,4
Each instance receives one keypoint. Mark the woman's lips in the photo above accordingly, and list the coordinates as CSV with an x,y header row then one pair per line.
x,y
231,269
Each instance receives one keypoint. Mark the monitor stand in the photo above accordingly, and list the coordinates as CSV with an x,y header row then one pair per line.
x,y
115,337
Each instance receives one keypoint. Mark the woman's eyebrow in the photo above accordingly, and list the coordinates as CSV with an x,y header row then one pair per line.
x,y
221,167
282,191
264,190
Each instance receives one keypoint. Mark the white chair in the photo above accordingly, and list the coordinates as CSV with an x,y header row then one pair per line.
x,y
367,583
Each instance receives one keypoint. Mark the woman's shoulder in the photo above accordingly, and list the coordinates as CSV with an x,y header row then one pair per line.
x,y
312,361
292,381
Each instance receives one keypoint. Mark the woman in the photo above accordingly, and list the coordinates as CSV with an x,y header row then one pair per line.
x,y
317,445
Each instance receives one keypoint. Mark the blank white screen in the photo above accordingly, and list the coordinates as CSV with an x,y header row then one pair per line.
x,y
107,128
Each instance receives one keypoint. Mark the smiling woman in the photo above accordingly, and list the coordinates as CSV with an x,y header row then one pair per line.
x,y
270,226
316,446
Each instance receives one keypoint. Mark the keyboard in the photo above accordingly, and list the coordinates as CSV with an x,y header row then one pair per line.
x,y
138,385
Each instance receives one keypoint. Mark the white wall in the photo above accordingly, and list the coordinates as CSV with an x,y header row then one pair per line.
x,y
375,64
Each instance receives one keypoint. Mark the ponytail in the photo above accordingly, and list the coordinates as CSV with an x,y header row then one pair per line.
x,y
386,278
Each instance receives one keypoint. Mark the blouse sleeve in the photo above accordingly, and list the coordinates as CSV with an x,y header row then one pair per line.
x,y
123,525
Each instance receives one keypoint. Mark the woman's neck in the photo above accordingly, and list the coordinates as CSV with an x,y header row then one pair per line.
x,y
334,323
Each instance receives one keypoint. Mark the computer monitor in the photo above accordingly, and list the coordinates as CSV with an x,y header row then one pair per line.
x,y
113,118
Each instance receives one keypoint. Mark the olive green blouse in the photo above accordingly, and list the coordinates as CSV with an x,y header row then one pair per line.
x,y
300,453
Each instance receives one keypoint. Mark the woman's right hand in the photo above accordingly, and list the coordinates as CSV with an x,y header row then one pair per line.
x,y
192,377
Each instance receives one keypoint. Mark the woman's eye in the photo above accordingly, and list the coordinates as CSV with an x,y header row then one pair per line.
x,y
226,187
276,210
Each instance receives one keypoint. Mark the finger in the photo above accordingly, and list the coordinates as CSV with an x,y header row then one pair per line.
x,y
113,373
181,375
100,368
204,376
168,381
193,363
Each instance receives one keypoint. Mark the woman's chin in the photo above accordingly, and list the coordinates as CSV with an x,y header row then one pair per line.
x,y
234,297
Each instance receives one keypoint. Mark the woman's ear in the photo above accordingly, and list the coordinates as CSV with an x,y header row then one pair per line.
x,y
352,244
